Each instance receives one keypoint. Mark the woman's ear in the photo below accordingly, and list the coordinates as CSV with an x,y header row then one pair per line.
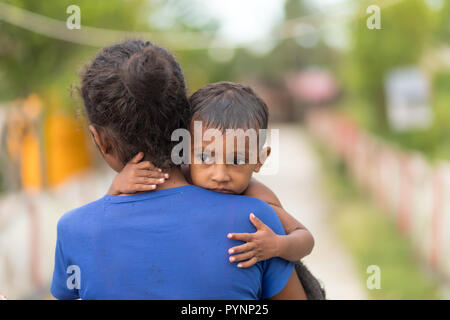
x,y
99,142
263,155
105,145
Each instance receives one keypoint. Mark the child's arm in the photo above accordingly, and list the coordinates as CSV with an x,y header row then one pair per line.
x,y
137,176
264,243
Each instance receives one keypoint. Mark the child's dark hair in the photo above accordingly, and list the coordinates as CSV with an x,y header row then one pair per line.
x,y
134,92
227,105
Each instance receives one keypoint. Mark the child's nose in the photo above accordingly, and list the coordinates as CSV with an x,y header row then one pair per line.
x,y
220,173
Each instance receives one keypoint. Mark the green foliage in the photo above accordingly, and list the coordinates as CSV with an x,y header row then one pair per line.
x,y
432,142
402,39
443,28
30,62
409,30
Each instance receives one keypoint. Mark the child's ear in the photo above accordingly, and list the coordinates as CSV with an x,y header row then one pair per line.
x,y
263,155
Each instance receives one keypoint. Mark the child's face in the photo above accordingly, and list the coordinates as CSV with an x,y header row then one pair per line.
x,y
231,178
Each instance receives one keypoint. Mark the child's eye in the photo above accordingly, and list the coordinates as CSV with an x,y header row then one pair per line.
x,y
204,157
239,160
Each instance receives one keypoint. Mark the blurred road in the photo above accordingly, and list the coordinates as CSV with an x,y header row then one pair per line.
x,y
297,184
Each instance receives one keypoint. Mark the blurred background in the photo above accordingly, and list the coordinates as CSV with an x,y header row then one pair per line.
x,y
360,91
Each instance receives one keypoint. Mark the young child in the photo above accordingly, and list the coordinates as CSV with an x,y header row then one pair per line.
x,y
222,106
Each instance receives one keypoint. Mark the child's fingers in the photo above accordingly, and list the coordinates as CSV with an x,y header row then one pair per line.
x,y
242,256
242,248
144,180
241,236
151,174
256,222
147,165
137,158
144,187
248,263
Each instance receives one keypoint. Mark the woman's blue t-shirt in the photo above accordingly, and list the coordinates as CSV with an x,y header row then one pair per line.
x,y
166,244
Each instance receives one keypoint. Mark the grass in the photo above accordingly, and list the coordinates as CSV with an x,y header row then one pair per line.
x,y
372,237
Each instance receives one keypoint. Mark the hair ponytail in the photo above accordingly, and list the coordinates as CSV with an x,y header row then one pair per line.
x,y
146,75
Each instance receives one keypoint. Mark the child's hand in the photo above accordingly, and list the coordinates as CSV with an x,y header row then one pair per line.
x,y
137,176
261,245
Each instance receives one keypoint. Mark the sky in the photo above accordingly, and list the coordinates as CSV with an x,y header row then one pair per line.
x,y
247,21
243,21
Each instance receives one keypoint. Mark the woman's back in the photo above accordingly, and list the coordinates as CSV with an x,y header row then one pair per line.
x,y
167,244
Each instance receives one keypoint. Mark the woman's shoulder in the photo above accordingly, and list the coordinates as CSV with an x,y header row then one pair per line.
x,y
74,216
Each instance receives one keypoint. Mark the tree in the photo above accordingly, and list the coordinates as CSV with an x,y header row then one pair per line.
x,y
402,39
30,61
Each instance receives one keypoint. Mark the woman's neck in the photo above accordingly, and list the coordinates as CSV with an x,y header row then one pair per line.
x,y
176,179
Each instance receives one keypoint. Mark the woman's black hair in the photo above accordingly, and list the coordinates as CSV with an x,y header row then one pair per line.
x,y
134,92
228,105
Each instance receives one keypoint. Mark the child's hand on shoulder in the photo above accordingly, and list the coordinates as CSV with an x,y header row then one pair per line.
x,y
137,176
259,246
